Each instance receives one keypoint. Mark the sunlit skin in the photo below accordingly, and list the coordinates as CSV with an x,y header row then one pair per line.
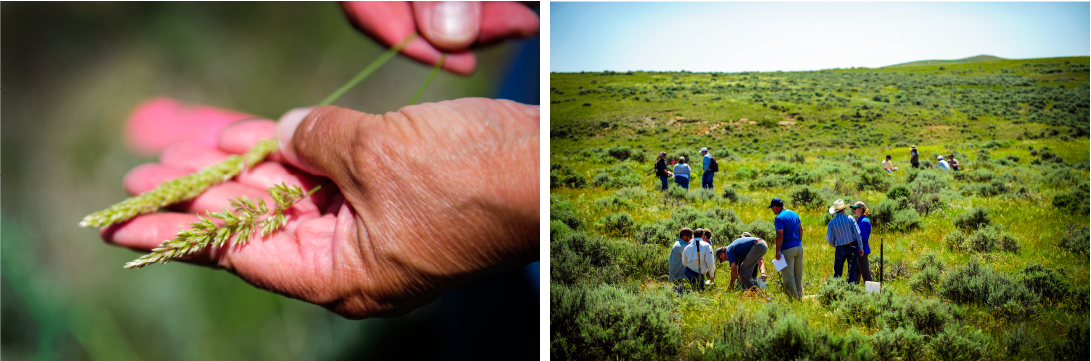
x,y
397,178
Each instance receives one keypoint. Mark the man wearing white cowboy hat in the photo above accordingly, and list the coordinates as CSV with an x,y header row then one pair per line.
x,y
943,164
844,235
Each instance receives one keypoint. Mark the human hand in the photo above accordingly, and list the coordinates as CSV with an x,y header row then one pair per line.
x,y
452,27
861,251
376,242
778,256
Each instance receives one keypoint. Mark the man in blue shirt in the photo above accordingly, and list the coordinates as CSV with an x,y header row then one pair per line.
x,y
677,271
790,246
706,177
746,256
844,235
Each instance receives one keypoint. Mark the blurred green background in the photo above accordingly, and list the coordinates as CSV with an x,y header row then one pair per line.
x,y
72,72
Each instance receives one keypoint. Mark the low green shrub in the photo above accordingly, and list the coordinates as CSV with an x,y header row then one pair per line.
x,y
873,178
1017,340
578,259
882,213
564,211
566,177
614,202
976,218
954,240
1001,293
1074,346
620,223
1077,201
858,309
632,193
655,233
976,175
761,228
730,194
905,220
607,322
836,289
769,181
774,335
805,197
676,192
558,229
701,194
779,168
899,344
956,344
1078,241
1050,285
925,280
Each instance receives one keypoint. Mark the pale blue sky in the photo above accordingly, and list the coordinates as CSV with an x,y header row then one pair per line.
x,y
735,37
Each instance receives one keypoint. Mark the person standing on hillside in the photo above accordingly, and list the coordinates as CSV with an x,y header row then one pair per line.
x,y
675,267
942,164
859,210
790,246
844,236
698,259
681,173
661,169
746,257
709,167
913,157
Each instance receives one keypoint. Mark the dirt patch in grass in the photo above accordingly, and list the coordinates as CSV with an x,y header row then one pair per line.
x,y
939,127
787,123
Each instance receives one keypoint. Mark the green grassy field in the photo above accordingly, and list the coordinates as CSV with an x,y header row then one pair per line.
x,y
1018,127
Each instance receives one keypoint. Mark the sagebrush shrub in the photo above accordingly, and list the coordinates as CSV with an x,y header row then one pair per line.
x,y
566,177
976,218
701,194
1077,241
676,192
632,193
955,344
905,220
872,178
1075,344
835,289
769,181
898,344
1047,283
761,228
577,258
614,202
779,168
857,308
954,240
929,259
1001,293
618,223
899,192
882,213
730,194
564,211
606,322
928,316
655,233
805,197
925,280
558,229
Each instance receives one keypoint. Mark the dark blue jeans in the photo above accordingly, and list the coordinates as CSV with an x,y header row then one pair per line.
x,y
845,254
695,279
706,179
682,181
663,179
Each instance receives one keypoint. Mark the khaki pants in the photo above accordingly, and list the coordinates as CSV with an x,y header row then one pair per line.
x,y
749,266
793,273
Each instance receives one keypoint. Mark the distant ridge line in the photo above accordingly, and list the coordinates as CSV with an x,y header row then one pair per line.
x,y
971,59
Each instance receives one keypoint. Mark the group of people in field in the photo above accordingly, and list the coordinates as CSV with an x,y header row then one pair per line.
x,y
914,159
682,172
692,258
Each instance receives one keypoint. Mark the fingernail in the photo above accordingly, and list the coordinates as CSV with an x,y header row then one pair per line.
x,y
453,21
286,129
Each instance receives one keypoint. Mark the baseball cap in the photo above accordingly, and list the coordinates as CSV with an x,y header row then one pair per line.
x,y
776,202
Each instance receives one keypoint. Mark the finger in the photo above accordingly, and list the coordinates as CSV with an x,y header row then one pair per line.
x,y
159,122
190,157
391,22
448,25
502,20
144,232
146,177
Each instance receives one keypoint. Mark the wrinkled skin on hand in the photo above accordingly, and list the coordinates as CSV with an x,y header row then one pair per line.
x,y
422,201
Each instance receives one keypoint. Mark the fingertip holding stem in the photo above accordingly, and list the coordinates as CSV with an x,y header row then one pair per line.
x,y
449,25
286,127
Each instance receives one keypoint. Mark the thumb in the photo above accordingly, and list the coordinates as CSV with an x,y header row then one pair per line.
x,y
319,140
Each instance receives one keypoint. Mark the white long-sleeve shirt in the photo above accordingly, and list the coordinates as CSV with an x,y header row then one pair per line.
x,y
707,263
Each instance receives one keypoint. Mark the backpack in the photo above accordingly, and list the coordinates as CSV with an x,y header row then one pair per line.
x,y
713,166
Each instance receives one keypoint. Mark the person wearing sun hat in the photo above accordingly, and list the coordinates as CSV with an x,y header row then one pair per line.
x,y
859,210
844,235
789,245
913,156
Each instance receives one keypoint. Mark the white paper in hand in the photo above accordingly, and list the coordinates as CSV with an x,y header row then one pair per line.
x,y
780,263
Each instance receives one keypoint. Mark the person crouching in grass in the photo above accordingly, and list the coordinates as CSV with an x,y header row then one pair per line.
x,y
746,257
844,236
675,267
697,256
